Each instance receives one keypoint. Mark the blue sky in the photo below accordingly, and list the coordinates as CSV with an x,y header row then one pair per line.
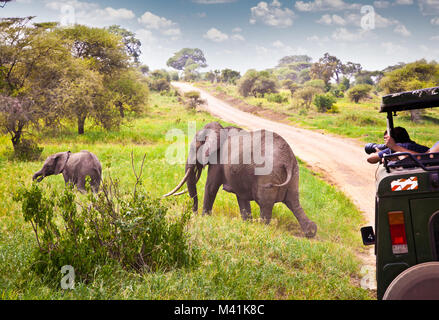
x,y
244,34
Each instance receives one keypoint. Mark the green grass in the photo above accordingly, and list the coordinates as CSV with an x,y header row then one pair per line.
x,y
239,260
361,121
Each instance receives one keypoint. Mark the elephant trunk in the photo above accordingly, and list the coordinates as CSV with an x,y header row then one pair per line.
x,y
39,176
192,180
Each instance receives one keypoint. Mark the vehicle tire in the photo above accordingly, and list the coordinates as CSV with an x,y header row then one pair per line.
x,y
420,282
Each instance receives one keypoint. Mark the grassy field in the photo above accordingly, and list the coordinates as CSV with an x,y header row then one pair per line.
x,y
361,121
239,260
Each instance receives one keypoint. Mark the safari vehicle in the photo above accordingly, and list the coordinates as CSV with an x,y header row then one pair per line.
x,y
406,234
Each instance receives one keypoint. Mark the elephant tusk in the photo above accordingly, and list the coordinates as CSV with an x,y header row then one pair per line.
x,y
179,185
180,193
199,172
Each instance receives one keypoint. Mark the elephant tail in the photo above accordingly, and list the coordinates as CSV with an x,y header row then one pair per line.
x,y
289,169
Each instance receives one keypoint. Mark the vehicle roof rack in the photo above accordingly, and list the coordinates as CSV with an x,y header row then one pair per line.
x,y
427,162
411,100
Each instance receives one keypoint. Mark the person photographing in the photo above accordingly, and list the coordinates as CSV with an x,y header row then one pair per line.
x,y
399,142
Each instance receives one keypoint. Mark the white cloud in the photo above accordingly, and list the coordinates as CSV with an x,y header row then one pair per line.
x,y
435,38
215,35
342,34
381,4
77,5
355,20
325,5
165,26
435,21
402,30
118,13
317,39
404,2
90,13
332,20
237,30
272,14
172,32
237,37
278,44
429,7
153,21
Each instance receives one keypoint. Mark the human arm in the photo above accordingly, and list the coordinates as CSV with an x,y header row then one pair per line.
x,y
374,158
391,144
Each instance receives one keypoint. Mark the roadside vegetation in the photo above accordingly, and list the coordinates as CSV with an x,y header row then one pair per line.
x,y
333,97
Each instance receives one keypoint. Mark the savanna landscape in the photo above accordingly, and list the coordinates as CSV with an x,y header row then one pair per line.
x,y
82,87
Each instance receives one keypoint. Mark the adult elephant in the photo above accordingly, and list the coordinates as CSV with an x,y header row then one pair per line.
x,y
234,159
75,167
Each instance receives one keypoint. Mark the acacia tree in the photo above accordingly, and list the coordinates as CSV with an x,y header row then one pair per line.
x,y
330,67
230,76
187,60
132,44
130,92
16,114
32,61
104,53
417,75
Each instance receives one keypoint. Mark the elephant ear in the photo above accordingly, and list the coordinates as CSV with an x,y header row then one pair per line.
x,y
61,161
211,144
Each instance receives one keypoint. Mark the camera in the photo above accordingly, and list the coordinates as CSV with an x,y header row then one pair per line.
x,y
371,147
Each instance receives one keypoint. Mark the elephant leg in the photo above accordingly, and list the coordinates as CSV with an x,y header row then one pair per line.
x,y
245,208
213,183
80,184
308,226
95,183
210,193
266,212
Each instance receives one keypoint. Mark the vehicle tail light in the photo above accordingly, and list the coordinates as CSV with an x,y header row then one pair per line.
x,y
397,232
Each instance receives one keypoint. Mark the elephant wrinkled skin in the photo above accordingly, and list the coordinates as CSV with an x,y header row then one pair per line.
x,y
75,167
223,150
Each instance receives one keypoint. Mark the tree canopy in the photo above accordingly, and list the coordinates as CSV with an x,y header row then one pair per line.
x,y
51,75
187,59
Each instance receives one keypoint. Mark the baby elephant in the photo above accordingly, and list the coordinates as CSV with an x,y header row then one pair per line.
x,y
75,167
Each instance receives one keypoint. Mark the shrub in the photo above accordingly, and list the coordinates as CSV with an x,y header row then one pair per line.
x,y
324,102
317,83
304,96
257,83
130,230
359,92
290,85
27,150
277,97
159,85
194,99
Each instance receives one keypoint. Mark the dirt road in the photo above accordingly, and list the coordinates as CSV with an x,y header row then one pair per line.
x,y
342,160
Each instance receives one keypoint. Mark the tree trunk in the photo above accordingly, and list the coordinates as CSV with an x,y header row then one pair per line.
x,y
81,124
121,110
16,138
